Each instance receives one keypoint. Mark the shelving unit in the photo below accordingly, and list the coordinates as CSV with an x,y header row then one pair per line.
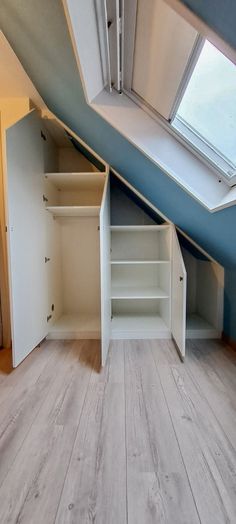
x,y
83,277
140,281
77,196
73,192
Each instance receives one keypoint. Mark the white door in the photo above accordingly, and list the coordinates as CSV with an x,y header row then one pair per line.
x,y
26,235
178,296
105,271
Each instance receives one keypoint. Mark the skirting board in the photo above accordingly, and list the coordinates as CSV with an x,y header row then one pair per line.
x,y
228,340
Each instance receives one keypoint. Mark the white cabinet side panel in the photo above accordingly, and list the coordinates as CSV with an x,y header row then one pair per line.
x,y
105,272
178,296
26,235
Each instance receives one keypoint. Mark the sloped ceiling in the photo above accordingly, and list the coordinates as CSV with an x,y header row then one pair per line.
x,y
38,33
220,16
13,80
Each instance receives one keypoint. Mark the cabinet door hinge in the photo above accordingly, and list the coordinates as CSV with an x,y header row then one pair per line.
x,y
98,228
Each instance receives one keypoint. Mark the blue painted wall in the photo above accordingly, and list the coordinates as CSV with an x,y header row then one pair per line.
x,y
220,15
38,33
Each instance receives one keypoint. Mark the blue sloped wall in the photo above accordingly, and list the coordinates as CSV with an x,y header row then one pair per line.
x,y
220,15
38,33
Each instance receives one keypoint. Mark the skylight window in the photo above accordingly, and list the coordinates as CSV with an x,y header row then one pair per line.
x,y
207,113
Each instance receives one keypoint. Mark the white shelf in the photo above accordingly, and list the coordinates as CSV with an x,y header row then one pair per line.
x,y
129,292
71,327
124,262
72,211
124,229
77,181
139,326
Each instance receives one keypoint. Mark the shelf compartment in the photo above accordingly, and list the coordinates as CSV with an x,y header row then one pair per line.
x,y
198,327
74,189
138,326
140,243
74,211
140,318
71,326
130,292
140,280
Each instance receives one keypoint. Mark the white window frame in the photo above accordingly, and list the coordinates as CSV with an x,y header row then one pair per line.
x,y
181,129
149,133
210,154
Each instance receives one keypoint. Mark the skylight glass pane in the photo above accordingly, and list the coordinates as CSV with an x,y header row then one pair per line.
x,y
209,102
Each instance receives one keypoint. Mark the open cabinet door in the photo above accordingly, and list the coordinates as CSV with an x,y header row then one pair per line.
x,y
26,235
178,296
105,271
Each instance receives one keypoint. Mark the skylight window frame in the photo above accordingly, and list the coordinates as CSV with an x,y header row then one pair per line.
x,y
183,132
214,158
191,140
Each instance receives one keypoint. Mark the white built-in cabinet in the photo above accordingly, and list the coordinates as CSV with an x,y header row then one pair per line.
x,y
89,261
57,195
140,281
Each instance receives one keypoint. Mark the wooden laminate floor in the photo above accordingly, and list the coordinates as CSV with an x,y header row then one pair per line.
x,y
147,440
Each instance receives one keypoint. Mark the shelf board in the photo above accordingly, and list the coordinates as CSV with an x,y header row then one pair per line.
x,y
124,262
129,292
77,181
124,229
74,211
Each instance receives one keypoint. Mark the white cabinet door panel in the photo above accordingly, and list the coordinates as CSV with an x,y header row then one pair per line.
x,y
178,296
26,235
105,270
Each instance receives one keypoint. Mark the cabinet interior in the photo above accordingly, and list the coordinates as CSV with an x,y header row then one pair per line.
x,y
73,188
204,293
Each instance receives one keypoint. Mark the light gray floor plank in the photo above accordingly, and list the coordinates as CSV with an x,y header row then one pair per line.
x,y
211,356
95,486
19,411
157,483
208,456
147,440
220,396
33,486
